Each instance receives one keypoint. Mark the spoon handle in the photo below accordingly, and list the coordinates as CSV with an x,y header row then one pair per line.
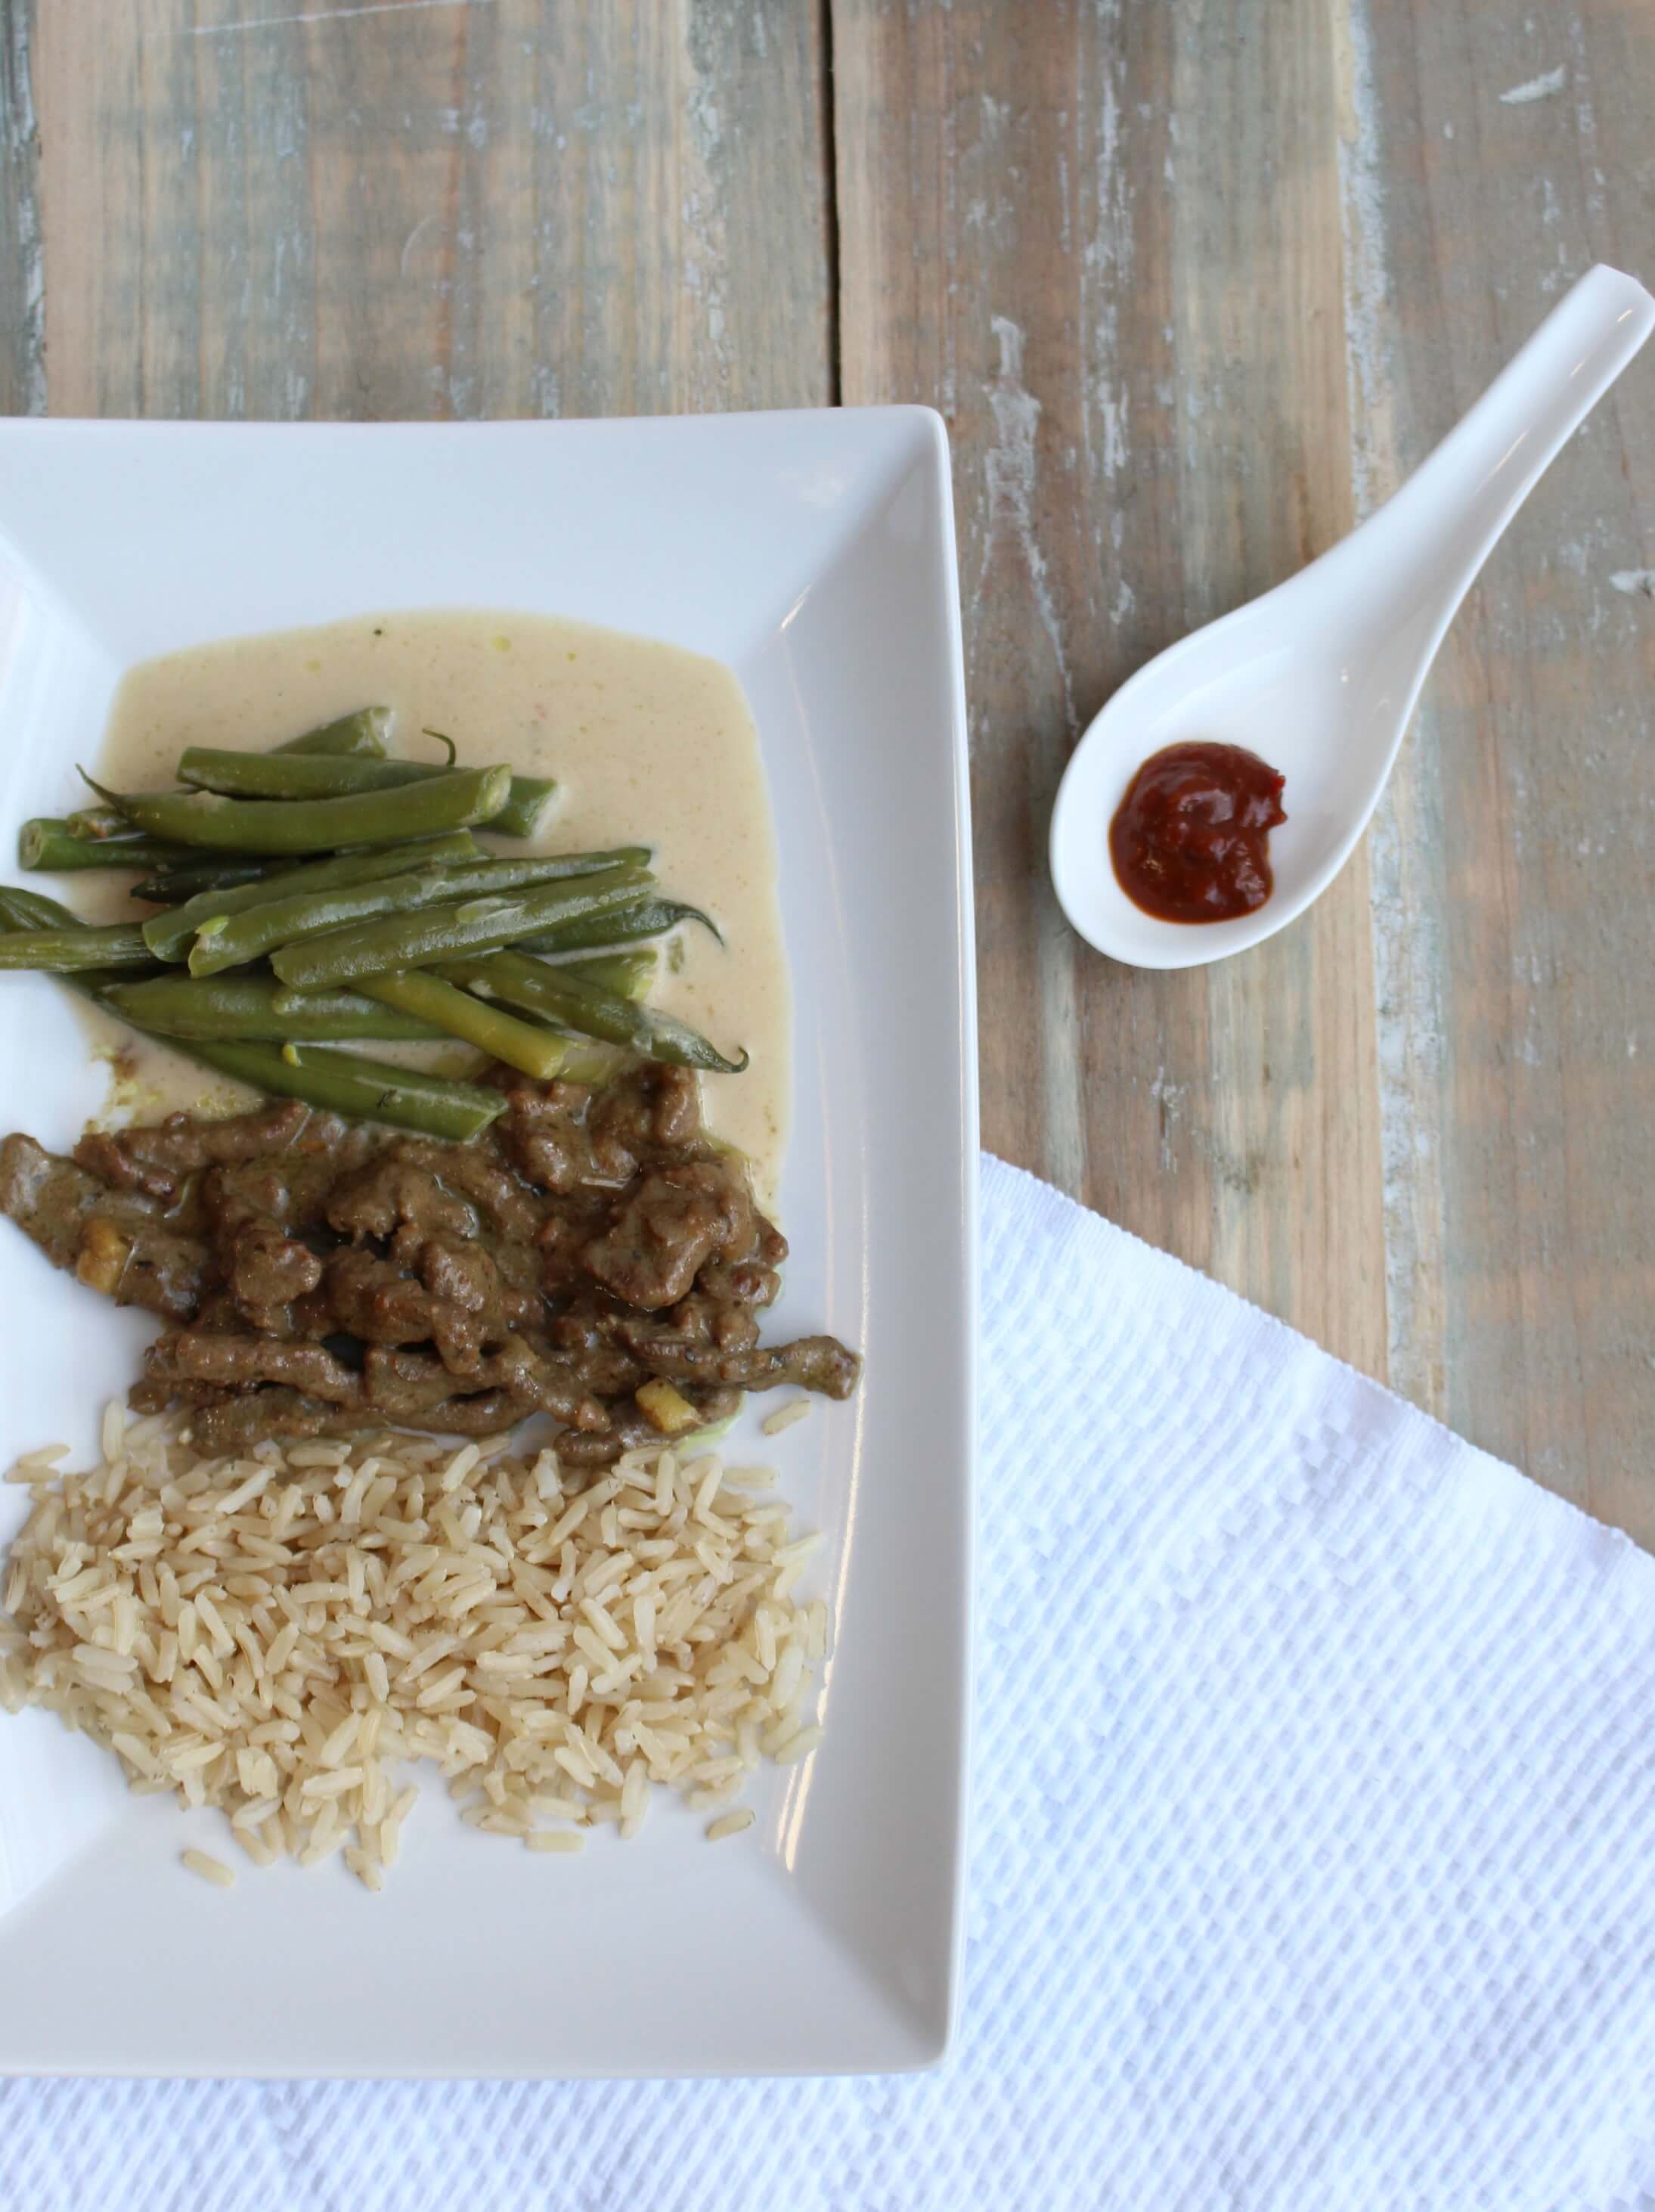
x,y
1422,550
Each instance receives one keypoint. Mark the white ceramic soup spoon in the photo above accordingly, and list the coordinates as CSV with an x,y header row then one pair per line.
x,y
1319,676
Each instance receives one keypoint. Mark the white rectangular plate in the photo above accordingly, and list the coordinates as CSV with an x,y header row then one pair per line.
x,y
813,553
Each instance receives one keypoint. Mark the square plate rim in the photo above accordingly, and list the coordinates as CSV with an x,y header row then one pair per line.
x,y
928,2051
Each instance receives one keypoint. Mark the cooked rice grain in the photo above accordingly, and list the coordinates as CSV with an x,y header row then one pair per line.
x,y
273,1635
209,1869
785,1416
730,1824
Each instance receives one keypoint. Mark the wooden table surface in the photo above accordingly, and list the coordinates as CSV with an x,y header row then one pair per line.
x,y
1194,283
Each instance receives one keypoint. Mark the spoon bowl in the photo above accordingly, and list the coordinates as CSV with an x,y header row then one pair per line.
x,y
1320,676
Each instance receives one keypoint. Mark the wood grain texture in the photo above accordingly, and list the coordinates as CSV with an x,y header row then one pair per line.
x,y
23,275
1106,242
481,208
1505,150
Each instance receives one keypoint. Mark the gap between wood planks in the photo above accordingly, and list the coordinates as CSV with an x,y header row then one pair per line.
x,y
830,203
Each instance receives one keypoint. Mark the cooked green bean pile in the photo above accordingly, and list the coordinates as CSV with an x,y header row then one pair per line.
x,y
322,894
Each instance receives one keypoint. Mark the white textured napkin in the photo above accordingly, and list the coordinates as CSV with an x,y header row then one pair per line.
x,y
1313,1862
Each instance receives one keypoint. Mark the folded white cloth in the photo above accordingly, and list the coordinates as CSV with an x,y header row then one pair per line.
x,y
1313,1860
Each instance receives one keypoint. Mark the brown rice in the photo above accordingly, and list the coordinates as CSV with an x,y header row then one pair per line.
x,y
272,1635
209,1869
785,1416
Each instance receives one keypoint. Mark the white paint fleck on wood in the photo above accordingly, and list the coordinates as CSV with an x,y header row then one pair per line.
x,y
327,16
1362,214
1108,261
1009,469
1585,122
1635,582
1406,947
1538,87
1011,475
706,259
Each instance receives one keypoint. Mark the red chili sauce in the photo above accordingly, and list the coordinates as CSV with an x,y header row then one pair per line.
x,y
1191,842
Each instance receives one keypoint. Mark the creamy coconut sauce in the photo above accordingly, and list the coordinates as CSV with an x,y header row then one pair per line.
x,y
648,744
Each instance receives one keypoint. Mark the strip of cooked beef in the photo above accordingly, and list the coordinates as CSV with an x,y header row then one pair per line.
x,y
567,1136
374,1299
268,1270
667,1224
156,1159
583,1329
403,1383
471,1277
292,1191
734,1283
404,1390
444,1292
187,1356
545,1135
117,1243
635,1429
570,1225
394,1192
811,1363
410,1181
462,1196
697,1322
234,1421
334,1278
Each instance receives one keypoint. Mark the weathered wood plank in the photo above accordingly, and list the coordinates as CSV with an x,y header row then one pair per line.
x,y
22,326
1500,152
1106,242
501,208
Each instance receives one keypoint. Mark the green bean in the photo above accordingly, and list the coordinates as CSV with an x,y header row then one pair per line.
x,y
293,776
23,910
530,796
361,732
629,973
28,910
649,918
340,1081
453,800
480,878
589,1009
440,933
361,1089
231,940
172,886
97,822
49,842
501,1035
169,935
62,950
525,805
233,1009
